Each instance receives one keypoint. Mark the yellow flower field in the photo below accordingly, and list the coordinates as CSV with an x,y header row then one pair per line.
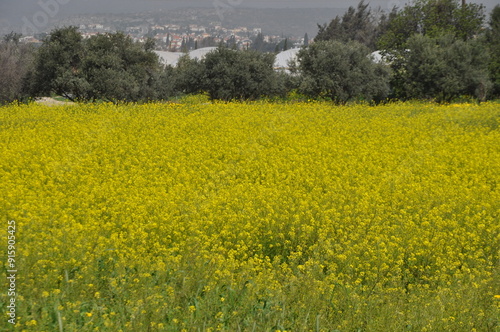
x,y
252,217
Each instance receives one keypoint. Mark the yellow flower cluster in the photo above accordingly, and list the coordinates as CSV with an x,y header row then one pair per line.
x,y
253,217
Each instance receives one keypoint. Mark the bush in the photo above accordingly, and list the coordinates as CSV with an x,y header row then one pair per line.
x,y
240,75
108,66
442,69
341,72
188,76
432,18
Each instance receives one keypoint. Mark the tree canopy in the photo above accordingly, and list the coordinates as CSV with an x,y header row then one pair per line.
x,y
433,18
441,68
359,24
243,75
107,66
341,72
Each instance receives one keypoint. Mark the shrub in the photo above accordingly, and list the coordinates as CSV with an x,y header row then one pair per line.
x,y
341,72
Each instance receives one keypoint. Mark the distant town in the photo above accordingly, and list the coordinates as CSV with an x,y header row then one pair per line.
x,y
190,29
178,38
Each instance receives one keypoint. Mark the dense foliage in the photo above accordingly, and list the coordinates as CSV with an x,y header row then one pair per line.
x,y
433,18
108,66
264,217
442,68
359,24
341,72
439,50
229,74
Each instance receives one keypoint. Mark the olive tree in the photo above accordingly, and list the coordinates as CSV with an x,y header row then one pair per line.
x,y
341,72
442,69
244,75
107,67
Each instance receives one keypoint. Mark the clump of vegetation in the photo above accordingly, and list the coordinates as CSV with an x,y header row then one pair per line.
x,y
341,72
104,67
435,50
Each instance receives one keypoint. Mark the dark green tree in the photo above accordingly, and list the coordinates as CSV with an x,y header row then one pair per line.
x,y
357,24
164,83
241,75
184,47
208,42
282,46
306,40
441,69
58,66
108,66
341,72
433,18
118,69
231,42
258,43
285,45
493,42
188,76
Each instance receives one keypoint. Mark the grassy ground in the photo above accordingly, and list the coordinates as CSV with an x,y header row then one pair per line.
x,y
252,217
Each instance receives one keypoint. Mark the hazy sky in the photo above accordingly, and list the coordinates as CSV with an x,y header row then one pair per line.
x,y
14,13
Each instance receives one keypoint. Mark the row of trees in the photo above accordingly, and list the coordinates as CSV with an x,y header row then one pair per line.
x,y
433,49
436,49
